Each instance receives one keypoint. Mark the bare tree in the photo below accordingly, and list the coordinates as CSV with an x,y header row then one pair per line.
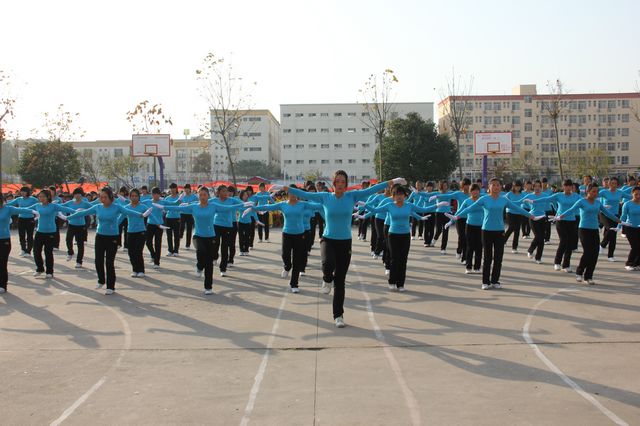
x,y
7,102
528,163
61,125
148,119
228,99
554,108
635,107
378,108
456,110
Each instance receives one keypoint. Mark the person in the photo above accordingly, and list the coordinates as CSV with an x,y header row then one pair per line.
x,y
337,239
416,198
155,225
399,236
172,222
252,235
261,198
107,213
234,227
6,211
588,231
473,232
313,223
203,213
77,227
244,226
631,219
379,219
294,244
26,221
224,245
515,220
611,199
144,194
493,236
538,209
363,224
186,220
123,199
430,222
566,228
526,228
136,233
460,196
586,181
46,213
548,190
441,220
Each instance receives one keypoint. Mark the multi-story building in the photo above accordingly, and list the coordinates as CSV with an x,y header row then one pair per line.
x,y
318,139
587,122
258,138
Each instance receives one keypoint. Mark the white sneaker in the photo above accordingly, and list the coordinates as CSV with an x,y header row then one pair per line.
x,y
387,272
24,254
458,256
125,250
78,265
223,274
373,254
2,290
266,240
443,252
468,271
591,282
529,255
486,286
156,266
420,237
134,275
141,275
241,253
539,262
557,267
215,263
629,268
326,287
302,273
496,285
229,265
99,286
392,287
402,289
601,250
109,292
433,243
611,259
176,255
579,278
199,273
568,270
340,322
49,276
514,251
169,254
187,248
295,290
208,292
546,243
37,274
477,271
413,238
69,257
284,273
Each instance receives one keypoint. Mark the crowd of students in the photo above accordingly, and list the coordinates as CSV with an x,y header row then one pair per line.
x,y
135,219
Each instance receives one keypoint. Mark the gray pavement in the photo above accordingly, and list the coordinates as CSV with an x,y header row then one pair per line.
x,y
445,352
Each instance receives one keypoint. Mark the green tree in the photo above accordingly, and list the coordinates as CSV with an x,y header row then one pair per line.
x,y
248,168
202,163
121,169
9,157
414,150
47,163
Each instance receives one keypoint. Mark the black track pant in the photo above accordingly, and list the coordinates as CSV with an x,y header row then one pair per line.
x,y
264,218
362,227
609,237
386,254
442,220
380,242
590,239
221,245
399,245
320,223
473,235
417,224
633,235
204,258
567,236
137,241
186,228
461,227
252,236
154,242
106,247
173,235
244,236
294,248
429,228
493,247
5,249
307,237
514,228
232,242
25,233
44,241
122,231
526,228
538,227
79,233
336,257
373,241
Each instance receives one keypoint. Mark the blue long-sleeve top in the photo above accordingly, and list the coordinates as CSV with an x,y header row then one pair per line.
x,y
631,213
261,198
309,214
83,204
459,196
174,199
293,214
155,218
612,199
190,199
135,222
589,213
338,210
564,202
474,217
5,219
24,202
516,199
376,200
443,209
223,217
48,213
541,207
108,217
203,216
247,218
399,216
493,208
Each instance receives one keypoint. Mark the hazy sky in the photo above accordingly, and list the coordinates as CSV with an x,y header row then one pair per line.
x,y
101,58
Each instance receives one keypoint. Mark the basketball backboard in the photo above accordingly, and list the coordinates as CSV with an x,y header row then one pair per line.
x,y
151,145
492,143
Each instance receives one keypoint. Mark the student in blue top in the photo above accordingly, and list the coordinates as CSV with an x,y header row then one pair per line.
x,y
186,220
336,239
588,231
493,237
6,212
26,222
631,220
77,228
515,219
223,245
172,222
123,199
107,213
144,194
45,237
473,232
261,198
378,220
399,240
566,228
586,181
293,235
538,208
416,198
136,233
310,227
430,222
233,194
526,228
441,219
460,197
611,199
244,226
548,190
204,236
309,217
155,225
363,224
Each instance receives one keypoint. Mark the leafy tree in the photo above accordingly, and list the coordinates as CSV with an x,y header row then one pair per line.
x,y
202,163
527,163
92,169
121,169
554,108
9,157
47,163
414,150
593,162
7,101
250,168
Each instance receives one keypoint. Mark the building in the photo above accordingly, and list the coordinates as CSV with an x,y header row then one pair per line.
x,y
587,122
258,138
318,139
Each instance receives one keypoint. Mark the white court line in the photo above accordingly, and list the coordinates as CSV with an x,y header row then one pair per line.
x,y
576,387
409,397
127,345
257,381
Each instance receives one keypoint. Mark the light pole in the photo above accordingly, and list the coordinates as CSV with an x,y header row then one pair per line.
x,y
188,159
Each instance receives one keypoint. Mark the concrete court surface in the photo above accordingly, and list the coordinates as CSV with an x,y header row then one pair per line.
x,y
444,353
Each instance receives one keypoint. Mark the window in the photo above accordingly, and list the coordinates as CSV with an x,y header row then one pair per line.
x,y
351,130
313,146
497,106
624,160
528,127
624,146
286,146
367,145
351,114
337,114
337,145
611,118
611,146
324,130
582,104
611,132
582,147
487,106
497,120
366,161
312,114
287,161
625,118
299,114
286,115
352,145
286,130
602,104
324,114
516,134
312,161
338,161
299,130
324,161
299,161
255,149
487,121
528,99
611,104
337,130
300,146
528,140
515,119
625,103
624,132
311,130
324,146
364,114
515,106
527,112
117,152
365,130
351,161
254,118
602,133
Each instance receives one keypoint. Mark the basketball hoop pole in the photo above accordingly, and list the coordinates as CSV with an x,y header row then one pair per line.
x,y
484,171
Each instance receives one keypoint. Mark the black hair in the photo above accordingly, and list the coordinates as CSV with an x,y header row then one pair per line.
x,y
46,193
430,183
187,186
108,191
173,185
144,187
466,181
204,188
399,189
26,189
635,188
567,182
474,187
221,187
261,185
78,191
592,185
156,190
134,190
614,178
544,180
340,173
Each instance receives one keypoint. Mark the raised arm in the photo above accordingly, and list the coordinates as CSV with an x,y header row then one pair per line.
x,y
477,206
83,213
361,194
517,209
318,197
605,212
269,207
428,209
